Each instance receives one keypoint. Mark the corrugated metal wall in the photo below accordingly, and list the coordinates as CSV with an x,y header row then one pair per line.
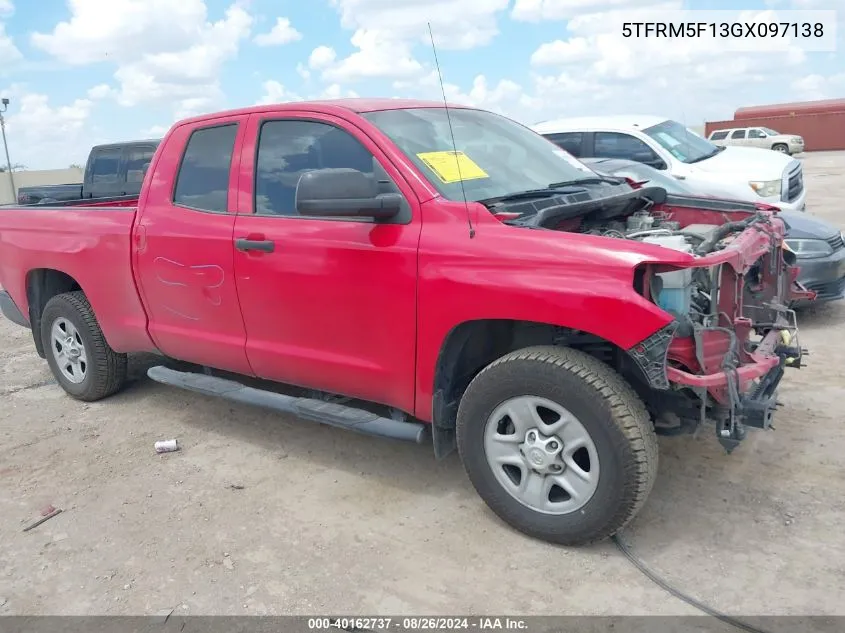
x,y
822,124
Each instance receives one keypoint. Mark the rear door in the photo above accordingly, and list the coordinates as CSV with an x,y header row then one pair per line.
x,y
183,247
329,303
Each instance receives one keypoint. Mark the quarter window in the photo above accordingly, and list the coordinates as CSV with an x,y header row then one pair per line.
x,y
718,136
203,179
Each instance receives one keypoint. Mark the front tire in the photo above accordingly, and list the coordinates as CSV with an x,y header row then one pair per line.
x,y
77,352
557,444
781,147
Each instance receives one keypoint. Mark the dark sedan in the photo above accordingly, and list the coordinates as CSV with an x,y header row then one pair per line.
x,y
819,246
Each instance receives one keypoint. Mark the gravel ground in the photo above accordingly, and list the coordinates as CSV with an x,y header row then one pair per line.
x,y
327,521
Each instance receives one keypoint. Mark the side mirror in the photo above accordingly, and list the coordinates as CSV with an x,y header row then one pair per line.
x,y
343,193
647,158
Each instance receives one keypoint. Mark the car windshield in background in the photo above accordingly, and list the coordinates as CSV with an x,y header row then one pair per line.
x,y
770,131
682,143
496,156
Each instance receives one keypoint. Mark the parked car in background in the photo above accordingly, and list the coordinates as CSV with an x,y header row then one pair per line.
x,y
748,173
818,245
762,137
112,170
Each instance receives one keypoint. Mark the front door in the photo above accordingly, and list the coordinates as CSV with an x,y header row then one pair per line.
x,y
328,304
184,250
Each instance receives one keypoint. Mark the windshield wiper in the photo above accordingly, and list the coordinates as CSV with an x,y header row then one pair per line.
x,y
592,180
706,156
533,193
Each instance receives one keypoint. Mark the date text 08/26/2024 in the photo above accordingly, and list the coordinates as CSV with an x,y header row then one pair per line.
x,y
421,623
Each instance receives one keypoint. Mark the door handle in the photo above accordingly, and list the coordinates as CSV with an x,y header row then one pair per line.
x,y
243,244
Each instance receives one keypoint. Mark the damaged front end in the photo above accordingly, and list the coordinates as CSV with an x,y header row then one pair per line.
x,y
722,357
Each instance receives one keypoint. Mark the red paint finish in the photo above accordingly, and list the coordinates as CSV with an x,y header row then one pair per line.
x,y
351,307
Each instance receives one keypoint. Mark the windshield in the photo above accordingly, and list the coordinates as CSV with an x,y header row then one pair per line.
x,y
682,143
496,156
770,131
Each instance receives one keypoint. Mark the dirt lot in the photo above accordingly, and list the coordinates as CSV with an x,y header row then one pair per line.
x,y
328,521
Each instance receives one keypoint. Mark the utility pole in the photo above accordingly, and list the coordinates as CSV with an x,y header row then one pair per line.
x,y
5,107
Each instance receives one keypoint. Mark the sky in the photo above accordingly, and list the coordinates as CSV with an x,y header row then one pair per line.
x,y
83,72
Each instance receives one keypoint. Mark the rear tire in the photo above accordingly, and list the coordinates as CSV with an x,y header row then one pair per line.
x,y
783,148
598,413
77,352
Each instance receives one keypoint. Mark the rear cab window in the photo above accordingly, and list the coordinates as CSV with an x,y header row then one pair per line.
x,y
138,158
105,165
202,182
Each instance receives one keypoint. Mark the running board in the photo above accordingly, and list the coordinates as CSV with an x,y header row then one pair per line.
x,y
329,413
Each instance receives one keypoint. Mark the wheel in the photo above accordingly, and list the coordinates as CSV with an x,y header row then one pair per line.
x,y
77,352
781,147
557,444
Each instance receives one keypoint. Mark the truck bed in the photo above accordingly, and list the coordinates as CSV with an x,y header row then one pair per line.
x,y
89,242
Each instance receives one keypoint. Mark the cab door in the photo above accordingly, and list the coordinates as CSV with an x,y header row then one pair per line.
x,y
183,252
328,303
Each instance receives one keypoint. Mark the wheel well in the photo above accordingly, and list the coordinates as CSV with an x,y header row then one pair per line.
x,y
473,345
42,284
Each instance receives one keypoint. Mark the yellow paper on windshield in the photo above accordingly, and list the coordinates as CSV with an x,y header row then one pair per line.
x,y
452,167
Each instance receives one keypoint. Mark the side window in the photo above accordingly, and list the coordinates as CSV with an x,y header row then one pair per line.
x,y
718,136
618,145
106,165
136,159
738,134
287,149
203,179
756,134
569,141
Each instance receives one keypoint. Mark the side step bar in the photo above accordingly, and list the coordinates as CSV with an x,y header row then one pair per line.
x,y
329,413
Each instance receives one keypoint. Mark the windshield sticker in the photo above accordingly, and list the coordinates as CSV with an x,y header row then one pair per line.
x,y
569,158
451,167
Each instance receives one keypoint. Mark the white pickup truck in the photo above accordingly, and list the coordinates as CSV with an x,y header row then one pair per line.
x,y
747,173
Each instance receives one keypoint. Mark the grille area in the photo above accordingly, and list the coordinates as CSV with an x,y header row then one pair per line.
x,y
794,184
836,242
829,290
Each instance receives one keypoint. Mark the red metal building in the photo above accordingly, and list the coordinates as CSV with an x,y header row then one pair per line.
x,y
821,123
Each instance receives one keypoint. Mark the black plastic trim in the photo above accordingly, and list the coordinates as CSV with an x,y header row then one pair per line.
x,y
650,356
11,311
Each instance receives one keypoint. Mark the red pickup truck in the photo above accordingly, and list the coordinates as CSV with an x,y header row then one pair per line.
x,y
422,272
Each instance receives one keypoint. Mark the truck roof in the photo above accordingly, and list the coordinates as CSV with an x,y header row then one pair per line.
x,y
329,106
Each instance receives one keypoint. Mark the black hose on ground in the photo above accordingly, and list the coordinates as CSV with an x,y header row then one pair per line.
x,y
657,580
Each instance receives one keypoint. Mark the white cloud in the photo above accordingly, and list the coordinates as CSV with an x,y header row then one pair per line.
x,y
100,91
6,8
281,33
156,131
44,136
303,72
165,52
815,86
385,33
540,10
378,57
321,57
275,92
9,53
